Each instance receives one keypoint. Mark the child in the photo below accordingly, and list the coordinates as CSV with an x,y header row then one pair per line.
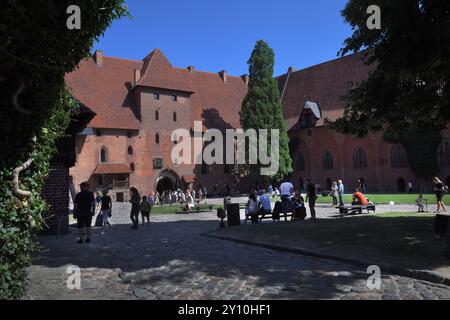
x,y
419,202
145,209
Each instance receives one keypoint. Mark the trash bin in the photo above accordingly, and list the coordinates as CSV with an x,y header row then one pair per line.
x,y
234,216
226,202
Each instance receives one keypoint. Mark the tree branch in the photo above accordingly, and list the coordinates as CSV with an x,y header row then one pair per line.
x,y
21,194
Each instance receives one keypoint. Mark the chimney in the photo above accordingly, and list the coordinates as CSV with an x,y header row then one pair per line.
x,y
137,75
98,58
223,75
291,70
191,69
246,79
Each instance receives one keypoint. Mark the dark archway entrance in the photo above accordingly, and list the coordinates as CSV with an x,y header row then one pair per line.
x,y
167,181
401,185
165,184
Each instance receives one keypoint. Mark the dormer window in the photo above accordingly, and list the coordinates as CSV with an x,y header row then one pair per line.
x,y
310,115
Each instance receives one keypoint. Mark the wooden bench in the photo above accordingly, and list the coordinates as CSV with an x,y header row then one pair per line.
x,y
354,209
269,216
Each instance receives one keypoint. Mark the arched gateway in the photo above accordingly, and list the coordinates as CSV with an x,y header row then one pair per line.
x,y
168,180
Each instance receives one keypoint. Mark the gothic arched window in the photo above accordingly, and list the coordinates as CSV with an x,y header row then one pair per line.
x,y
359,158
130,151
300,162
444,154
399,158
156,115
328,160
157,138
103,155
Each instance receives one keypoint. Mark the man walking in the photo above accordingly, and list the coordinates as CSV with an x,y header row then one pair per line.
x,y
311,197
84,211
341,190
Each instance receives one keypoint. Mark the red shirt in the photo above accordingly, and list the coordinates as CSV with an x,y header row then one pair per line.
x,y
361,198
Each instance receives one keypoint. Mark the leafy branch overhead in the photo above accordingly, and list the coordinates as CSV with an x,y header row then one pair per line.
x,y
36,51
407,94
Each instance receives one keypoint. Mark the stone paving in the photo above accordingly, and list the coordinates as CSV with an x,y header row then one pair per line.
x,y
171,259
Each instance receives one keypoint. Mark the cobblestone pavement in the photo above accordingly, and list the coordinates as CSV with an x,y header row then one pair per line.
x,y
171,259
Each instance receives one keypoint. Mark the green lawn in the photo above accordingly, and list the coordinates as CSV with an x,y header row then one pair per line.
x,y
404,239
176,208
386,198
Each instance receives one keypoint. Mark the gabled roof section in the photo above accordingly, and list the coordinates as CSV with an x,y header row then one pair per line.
x,y
158,72
104,90
324,84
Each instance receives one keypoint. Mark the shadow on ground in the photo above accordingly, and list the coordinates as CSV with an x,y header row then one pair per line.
x,y
175,254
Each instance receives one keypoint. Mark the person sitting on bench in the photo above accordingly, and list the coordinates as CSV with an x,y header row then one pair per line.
x,y
251,209
359,199
264,205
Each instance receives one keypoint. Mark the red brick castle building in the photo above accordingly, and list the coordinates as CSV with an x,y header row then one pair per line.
x,y
138,104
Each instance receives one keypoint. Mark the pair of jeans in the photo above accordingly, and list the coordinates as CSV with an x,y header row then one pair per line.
x,y
341,200
134,216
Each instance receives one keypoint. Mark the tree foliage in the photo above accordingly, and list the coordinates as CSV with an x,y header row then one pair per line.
x,y
407,95
36,51
261,108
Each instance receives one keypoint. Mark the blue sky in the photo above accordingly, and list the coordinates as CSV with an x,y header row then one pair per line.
x,y
215,35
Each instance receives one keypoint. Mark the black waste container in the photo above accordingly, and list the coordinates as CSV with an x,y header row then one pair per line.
x,y
234,216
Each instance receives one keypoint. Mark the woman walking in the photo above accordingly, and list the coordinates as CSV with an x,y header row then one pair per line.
x,y
335,193
135,200
439,190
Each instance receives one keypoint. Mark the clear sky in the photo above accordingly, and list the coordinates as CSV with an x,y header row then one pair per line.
x,y
214,35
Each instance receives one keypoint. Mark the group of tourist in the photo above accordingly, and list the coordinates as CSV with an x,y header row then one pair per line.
x,y
169,197
292,200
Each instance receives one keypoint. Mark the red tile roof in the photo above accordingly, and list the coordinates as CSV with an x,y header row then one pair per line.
x,y
325,84
104,90
157,72
112,168
107,89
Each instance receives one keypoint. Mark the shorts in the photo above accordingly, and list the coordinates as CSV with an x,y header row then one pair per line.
x,y
439,196
84,221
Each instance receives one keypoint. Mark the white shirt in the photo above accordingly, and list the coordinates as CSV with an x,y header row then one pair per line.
x,y
286,188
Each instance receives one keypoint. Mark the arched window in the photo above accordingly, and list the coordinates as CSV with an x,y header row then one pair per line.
x,y
157,138
401,185
156,115
444,154
359,159
328,161
300,162
103,155
130,150
399,158
175,117
132,167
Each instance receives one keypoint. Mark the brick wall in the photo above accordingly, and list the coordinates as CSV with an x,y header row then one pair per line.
x,y
56,193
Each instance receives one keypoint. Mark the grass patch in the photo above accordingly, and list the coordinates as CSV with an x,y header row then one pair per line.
x,y
176,208
385,199
403,239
